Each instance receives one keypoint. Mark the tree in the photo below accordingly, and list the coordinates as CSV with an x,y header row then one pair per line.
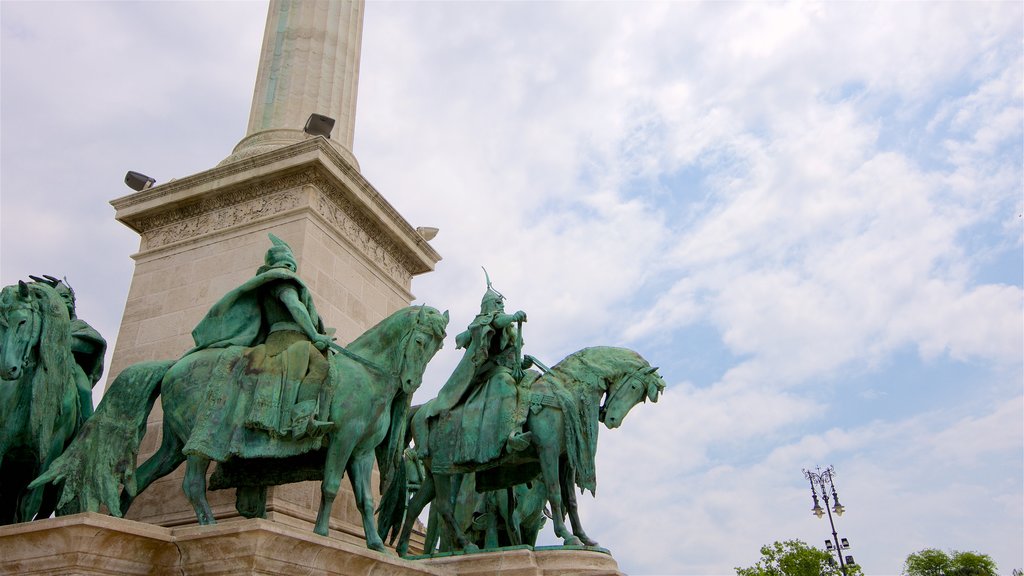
x,y
934,562
795,558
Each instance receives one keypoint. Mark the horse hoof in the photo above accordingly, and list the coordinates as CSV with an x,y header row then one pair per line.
x,y
471,548
573,541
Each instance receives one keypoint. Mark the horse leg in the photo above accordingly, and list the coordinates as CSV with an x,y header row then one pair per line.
x,y
548,452
339,450
446,489
49,495
251,501
194,486
29,500
42,501
163,462
569,495
422,497
360,469
512,517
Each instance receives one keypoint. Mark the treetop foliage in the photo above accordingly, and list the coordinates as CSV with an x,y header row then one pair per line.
x,y
795,558
935,562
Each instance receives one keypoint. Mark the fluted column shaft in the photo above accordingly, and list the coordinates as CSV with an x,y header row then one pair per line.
x,y
309,64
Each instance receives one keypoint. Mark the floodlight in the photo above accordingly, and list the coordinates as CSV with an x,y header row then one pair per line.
x,y
319,125
849,561
844,542
426,232
138,181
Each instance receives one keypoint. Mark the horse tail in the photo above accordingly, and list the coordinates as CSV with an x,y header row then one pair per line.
x,y
102,457
393,476
391,512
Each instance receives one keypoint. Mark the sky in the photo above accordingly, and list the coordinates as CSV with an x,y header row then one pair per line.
x,y
809,215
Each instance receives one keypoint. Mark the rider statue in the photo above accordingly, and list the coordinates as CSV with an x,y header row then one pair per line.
x,y
273,313
493,360
87,346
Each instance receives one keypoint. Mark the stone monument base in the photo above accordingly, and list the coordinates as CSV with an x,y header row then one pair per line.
x,y
92,544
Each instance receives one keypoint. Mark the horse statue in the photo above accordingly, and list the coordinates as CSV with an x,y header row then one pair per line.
x,y
370,386
39,404
565,409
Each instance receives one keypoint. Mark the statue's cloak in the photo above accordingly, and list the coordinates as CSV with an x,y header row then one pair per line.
x,y
223,426
474,415
479,341
237,318
251,387
474,432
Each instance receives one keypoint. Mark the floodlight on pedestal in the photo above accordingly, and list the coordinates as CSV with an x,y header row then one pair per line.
x,y
138,181
319,125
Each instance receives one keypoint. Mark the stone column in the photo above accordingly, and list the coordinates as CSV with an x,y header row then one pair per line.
x,y
309,64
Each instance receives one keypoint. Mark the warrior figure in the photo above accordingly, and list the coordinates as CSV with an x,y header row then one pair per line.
x,y
493,360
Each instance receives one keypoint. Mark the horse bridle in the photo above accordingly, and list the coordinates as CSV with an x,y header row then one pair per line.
x,y
619,386
404,343
27,360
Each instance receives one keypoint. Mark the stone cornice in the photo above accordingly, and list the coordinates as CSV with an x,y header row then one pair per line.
x,y
261,185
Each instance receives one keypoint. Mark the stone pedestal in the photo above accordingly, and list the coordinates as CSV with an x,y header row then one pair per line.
x,y
542,561
94,545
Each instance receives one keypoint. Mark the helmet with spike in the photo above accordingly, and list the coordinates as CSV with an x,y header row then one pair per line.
x,y
492,300
279,255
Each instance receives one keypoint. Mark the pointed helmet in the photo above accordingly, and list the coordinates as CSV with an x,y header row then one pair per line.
x,y
279,254
492,298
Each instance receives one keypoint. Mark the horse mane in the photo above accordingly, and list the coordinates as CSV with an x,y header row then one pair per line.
x,y
53,374
397,324
588,367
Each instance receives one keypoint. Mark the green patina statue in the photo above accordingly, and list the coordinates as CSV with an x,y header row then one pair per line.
x,y
486,386
565,407
49,362
267,394
258,395
87,346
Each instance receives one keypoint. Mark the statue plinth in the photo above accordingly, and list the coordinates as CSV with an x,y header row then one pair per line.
x,y
93,545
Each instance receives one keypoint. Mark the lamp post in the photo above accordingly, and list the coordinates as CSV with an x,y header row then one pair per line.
x,y
818,480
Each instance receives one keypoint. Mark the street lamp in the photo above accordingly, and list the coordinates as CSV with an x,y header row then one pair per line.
x,y
818,480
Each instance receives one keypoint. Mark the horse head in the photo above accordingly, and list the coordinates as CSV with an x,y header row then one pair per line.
x,y
633,387
419,345
20,323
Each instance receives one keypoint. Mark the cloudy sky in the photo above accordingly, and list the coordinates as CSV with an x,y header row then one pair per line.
x,y
809,215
